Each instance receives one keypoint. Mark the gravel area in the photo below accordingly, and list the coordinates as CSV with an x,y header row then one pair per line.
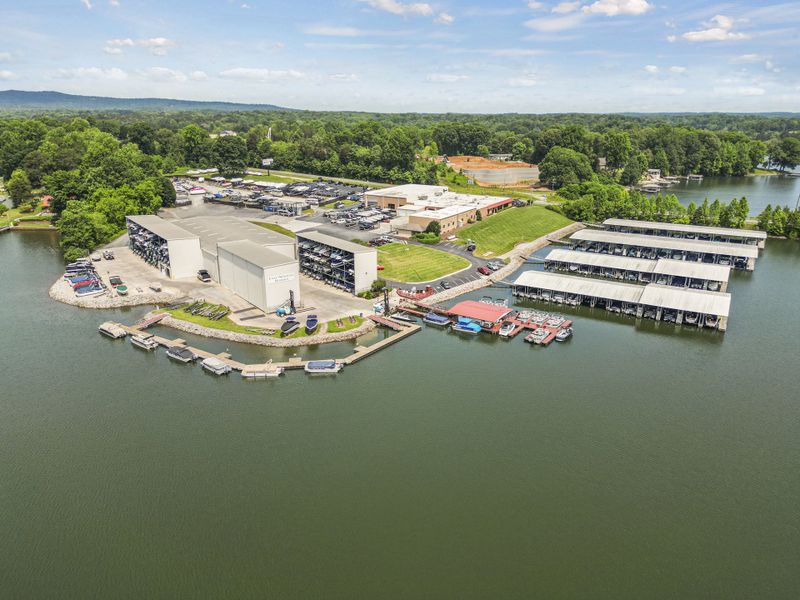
x,y
62,292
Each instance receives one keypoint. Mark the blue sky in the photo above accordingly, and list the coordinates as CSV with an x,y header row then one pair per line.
x,y
396,55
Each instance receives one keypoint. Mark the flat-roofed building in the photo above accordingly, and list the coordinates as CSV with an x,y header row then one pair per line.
x,y
171,249
694,232
265,278
740,256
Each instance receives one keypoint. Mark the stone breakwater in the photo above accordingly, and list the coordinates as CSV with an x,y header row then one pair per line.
x,y
62,292
265,340
516,258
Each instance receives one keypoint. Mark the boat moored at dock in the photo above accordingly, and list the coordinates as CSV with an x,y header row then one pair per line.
x,y
323,367
145,341
216,366
112,330
181,354
468,326
437,320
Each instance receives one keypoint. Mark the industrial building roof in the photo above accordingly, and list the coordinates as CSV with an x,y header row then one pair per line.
x,y
161,227
584,286
444,213
256,254
699,301
660,296
699,229
437,196
662,266
322,238
480,311
217,230
668,243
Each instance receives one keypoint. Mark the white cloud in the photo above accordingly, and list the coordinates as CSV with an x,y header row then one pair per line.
x,y
162,74
158,45
87,4
343,77
445,77
112,50
770,66
524,81
718,29
91,73
517,52
566,7
119,42
677,69
114,3
278,46
651,68
445,18
332,30
401,8
256,74
198,76
747,58
612,8
5,56
246,6
672,38
6,75
746,90
534,5
551,24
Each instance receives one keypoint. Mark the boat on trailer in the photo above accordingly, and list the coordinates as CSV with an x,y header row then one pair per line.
x,y
438,320
323,367
311,324
144,341
289,326
112,330
181,354
215,366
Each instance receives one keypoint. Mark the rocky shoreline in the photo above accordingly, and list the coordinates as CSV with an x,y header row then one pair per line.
x,y
62,292
265,340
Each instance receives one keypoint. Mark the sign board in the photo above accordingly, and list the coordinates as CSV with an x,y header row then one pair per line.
x,y
266,162
279,278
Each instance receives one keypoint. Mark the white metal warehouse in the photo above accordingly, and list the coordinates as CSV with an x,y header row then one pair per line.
x,y
169,248
342,264
701,232
265,278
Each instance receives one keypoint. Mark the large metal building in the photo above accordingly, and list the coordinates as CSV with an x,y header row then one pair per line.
x,y
693,232
342,264
169,248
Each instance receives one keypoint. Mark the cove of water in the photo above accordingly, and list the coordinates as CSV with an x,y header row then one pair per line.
x,y
760,190
629,462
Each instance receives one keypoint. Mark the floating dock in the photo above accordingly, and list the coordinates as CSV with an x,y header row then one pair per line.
x,y
678,273
659,302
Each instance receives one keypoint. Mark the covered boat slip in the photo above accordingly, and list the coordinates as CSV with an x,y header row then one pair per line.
x,y
664,271
740,256
659,302
698,232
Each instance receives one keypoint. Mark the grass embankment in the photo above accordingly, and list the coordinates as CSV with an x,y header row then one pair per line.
x,y
12,214
347,324
276,228
501,232
455,182
224,324
411,264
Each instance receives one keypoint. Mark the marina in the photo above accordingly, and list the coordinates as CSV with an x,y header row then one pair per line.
x,y
651,301
739,256
689,232
663,271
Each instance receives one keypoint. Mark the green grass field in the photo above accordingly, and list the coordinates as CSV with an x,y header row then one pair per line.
x,y
501,232
275,227
411,264
332,327
224,324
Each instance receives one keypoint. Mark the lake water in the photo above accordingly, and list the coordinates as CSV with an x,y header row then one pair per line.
x,y
759,190
626,463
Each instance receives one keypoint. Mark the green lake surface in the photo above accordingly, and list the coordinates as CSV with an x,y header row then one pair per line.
x,y
630,462
759,190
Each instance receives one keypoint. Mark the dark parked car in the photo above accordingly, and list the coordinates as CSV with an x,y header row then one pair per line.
x,y
484,271
115,280
471,246
446,285
203,276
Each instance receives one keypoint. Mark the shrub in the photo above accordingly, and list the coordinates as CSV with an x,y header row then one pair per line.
x,y
427,238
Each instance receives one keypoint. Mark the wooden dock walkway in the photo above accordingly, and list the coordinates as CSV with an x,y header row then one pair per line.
x,y
359,352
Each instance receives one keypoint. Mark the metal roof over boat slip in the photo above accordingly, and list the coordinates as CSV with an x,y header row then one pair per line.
x,y
662,266
663,296
166,230
665,243
698,229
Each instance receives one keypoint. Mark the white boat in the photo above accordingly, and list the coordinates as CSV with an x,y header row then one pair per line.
x,y
564,334
181,354
323,367
216,366
263,373
144,341
197,190
112,330
402,317
506,329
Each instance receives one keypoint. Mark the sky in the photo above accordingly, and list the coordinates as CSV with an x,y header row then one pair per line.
x,y
402,56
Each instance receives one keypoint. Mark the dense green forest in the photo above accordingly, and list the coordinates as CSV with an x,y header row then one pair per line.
x,y
99,166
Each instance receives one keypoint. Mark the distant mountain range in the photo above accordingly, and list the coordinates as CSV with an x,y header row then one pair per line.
x,y
17,99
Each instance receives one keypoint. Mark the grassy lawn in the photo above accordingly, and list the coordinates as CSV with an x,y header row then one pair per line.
x,y
334,328
225,324
15,213
501,232
275,227
456,183
410,264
